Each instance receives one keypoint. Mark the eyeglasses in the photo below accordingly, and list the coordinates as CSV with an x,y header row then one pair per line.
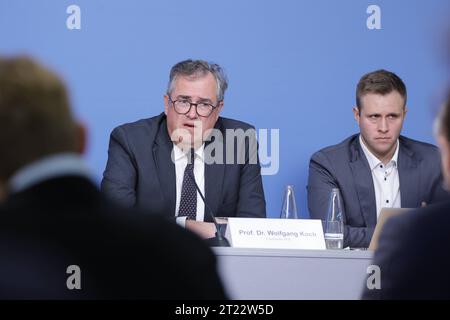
x,y
184,106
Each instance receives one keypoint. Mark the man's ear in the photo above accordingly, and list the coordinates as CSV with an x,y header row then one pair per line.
x,y
356,114
80,138
219,109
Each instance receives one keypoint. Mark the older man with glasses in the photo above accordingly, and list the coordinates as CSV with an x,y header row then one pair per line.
x,y
157,162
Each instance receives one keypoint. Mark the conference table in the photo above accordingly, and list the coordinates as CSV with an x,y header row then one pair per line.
x,y
286,274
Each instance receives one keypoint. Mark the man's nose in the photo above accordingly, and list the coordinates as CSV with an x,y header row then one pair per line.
x,y
192,114
383,125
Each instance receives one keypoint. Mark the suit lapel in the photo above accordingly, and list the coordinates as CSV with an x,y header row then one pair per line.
x,y
165,168
214,177
409,176
363,182
213,187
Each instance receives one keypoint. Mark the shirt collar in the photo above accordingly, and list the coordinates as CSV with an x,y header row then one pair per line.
x,y
62,164
373,160
179,154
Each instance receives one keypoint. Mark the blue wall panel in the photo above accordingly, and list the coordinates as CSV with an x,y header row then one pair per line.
x,y
293,65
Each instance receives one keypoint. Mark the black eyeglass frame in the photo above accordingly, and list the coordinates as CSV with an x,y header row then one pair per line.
x,y
213,107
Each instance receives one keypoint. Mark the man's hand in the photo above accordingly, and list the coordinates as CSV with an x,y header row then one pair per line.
x,y
204,229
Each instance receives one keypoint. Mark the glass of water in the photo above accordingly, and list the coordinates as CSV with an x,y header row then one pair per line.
x,y
289,207
334,225
334,235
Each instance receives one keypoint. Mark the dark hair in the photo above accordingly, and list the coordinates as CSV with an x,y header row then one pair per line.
x,y
379,82
35,117
196,68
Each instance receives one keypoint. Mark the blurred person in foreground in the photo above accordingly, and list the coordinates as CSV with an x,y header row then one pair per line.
x,y
59,238
413,253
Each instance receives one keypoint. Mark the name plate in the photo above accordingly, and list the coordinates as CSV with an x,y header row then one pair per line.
x,y
275,233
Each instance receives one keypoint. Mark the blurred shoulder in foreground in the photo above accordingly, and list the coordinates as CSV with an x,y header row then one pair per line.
x,y
59,238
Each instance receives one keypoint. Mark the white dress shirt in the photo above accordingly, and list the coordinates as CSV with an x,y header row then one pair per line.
x,y
181,160
385,178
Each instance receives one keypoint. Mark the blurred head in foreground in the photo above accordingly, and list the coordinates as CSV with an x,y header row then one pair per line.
x,y
35,116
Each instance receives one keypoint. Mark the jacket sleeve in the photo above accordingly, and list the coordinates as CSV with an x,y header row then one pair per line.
x,y
251,193
120,175
321,180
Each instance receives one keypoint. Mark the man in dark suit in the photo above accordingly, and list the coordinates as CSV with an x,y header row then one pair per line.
x,y
152,162
59,237
376,168
412,252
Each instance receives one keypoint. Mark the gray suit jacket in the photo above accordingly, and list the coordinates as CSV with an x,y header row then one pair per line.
x,y
140,172
345,166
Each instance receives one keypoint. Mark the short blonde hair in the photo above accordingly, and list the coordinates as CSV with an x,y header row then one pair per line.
x,y
35,116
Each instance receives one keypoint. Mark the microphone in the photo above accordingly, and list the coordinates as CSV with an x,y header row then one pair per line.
x,y
218,240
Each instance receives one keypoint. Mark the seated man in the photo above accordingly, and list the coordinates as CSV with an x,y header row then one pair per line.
x,y
376,168
149,161
412,254
59,237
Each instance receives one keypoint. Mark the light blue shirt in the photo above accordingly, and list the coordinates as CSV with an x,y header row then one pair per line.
x,y
53,166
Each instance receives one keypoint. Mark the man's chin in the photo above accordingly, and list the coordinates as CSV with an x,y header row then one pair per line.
x,y
187,137
186,144
383,150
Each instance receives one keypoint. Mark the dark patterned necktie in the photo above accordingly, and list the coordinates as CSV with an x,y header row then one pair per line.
x,y
188,201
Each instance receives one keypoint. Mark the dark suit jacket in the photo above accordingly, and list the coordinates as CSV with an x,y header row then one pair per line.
x,y
345,166
413,255
140,172
122,254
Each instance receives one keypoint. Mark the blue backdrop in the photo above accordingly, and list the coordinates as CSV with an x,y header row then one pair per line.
x,y
292,65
